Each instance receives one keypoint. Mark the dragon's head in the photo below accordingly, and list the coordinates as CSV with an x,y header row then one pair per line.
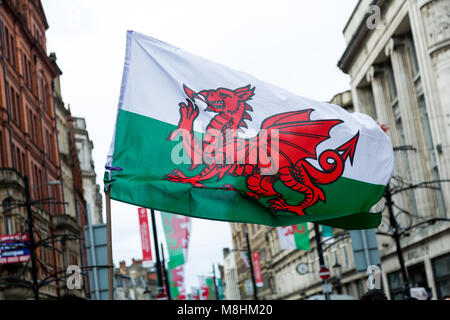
x,y
224,100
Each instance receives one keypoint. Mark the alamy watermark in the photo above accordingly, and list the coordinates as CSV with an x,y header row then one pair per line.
x,y
374,19
374,277
74,277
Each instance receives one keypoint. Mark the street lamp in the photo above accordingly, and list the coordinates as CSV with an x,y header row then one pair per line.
x,y
147,294
338,274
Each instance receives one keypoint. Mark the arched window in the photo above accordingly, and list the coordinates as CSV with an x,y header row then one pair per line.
x,y
6,207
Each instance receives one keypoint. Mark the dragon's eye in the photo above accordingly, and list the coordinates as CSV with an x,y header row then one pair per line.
x,y
224,95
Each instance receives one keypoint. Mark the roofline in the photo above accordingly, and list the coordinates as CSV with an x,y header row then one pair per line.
x,y
351,16
360,32
341,93
42,12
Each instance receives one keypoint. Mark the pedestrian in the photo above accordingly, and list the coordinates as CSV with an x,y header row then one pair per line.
x,y
374,294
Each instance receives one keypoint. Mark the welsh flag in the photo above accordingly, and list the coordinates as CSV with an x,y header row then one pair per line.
x,y
206,288
196,138
176,283
177,230
210,286
294,237
195,293
220,288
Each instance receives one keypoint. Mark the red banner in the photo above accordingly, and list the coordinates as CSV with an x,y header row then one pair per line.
x,y
257,269
145,236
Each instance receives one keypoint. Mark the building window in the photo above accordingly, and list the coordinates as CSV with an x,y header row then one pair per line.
x,y
361,286
26,66
6,206
33,127
14,100
345,255
441,270
396,285
418,276
2,151
439,198
9,47
20,164
50,152
8,225
400,132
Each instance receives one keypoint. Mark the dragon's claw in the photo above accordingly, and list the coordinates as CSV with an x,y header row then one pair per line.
x,y
178,176
252,195
189,111
278,204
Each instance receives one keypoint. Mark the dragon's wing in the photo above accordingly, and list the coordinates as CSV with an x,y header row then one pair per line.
x,y
286,138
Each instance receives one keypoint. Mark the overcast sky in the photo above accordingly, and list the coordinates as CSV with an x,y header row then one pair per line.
x,y
292,44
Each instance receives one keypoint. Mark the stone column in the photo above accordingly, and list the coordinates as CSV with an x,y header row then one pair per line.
x,y
430,277
430,20
385,115
396,49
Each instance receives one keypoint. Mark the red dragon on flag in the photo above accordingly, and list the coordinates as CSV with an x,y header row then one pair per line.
x,y
179,237
177,282
294,229
290,138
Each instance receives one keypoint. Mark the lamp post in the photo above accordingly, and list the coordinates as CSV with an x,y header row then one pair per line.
x,y
32,240
338,274
147,294
396,235
252,271
216,292
158,261
321,258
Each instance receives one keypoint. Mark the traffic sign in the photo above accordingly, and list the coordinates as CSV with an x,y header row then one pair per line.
x,y
324,273
327,288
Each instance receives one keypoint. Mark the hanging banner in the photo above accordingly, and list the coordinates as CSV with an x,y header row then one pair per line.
x,y
176,283
195,293
145,237
210,285
220,288
177,230
257,269
327,232
294,237
245,258
204,289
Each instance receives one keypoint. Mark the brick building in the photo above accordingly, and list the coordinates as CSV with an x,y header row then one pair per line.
x,y
29,147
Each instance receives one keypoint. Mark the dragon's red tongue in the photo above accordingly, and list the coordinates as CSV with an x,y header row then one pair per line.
x,y
191,93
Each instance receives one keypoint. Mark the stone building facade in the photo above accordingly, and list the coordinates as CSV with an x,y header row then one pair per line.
x,y
258,242
135,282
230,276
75,218
400,75
91,189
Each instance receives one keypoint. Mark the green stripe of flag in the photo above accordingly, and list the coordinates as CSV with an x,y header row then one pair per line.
x,y
144,154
